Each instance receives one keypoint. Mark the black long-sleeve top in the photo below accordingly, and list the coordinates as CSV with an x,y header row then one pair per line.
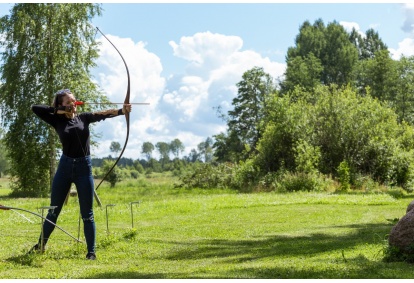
x,y
73,133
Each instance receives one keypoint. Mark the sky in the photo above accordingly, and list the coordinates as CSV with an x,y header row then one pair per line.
x,y
185,59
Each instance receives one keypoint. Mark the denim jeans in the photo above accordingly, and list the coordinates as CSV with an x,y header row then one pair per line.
x,y
79,172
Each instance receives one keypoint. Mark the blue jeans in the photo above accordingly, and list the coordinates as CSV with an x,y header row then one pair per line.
x,y
79,172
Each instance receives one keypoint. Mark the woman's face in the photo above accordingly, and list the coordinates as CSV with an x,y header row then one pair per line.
x,y
69,100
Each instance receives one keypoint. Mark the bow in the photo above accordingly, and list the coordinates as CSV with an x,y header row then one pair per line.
x,y
2,207
126,101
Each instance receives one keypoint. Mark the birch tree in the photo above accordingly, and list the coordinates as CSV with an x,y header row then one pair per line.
x,y
45,47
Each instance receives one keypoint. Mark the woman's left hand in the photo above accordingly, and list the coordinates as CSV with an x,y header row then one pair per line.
x,y
126,108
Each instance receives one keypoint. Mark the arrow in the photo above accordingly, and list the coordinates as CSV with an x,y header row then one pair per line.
x,y
82,103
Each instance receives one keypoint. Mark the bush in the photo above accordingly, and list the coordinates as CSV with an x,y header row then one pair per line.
x,y
344,174
207,176
394,254
294,182
337,125
134,174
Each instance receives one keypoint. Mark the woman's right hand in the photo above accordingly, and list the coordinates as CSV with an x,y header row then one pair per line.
x,y
65,109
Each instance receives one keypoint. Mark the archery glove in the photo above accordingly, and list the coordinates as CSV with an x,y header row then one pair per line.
x,y
67,109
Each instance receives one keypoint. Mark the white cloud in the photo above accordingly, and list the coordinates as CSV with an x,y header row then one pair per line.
x,y
182,106
408,26
348,26
146,86
216,62
405,47
201,48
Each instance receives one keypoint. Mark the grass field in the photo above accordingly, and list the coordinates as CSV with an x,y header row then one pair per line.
x,y
197,234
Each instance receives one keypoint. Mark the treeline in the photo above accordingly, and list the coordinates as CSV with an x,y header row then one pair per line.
x,y
167,153
130,168
341,118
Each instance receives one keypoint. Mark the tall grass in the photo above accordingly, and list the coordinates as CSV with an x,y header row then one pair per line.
x,y
193,233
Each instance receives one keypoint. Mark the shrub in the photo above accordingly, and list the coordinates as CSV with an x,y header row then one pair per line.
x,y
395,254
293,182
207,176
344,174
134,174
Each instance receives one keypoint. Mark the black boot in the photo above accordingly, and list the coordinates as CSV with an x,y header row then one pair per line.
x,y
36,248
91,256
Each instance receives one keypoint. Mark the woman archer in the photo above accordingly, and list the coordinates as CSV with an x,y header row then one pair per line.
x,y
75,162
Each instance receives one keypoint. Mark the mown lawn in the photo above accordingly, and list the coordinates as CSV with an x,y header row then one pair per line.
x,y
214,234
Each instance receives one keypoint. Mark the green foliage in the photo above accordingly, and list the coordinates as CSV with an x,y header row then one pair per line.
x,y
147,149
302,71
130,234
323,54
205,149
397,193
247,118
402,173
134,174
28,167
306,157
295,182
285,181
401,96
344,174
228,147
367,45
138,166
246,176
114,176
395,254
176,147
287,126
338,125
4,163
207,176
115,147
379,74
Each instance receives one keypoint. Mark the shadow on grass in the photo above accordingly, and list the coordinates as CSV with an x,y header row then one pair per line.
x,y
281,245
239,253
24,260
6,197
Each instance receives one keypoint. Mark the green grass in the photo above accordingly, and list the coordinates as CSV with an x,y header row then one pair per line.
x,y
198,234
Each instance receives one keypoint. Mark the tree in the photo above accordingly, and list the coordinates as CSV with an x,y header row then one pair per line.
x,y
115,147
368,45
302,71
377,73
331,48
4,164
47,47
113,177
205,149
227,147
176,147
164,151
246,119
147,149
401,95
193,156
341,127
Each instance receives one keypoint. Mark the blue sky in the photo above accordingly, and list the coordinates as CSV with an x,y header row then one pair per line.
x,y
186,58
